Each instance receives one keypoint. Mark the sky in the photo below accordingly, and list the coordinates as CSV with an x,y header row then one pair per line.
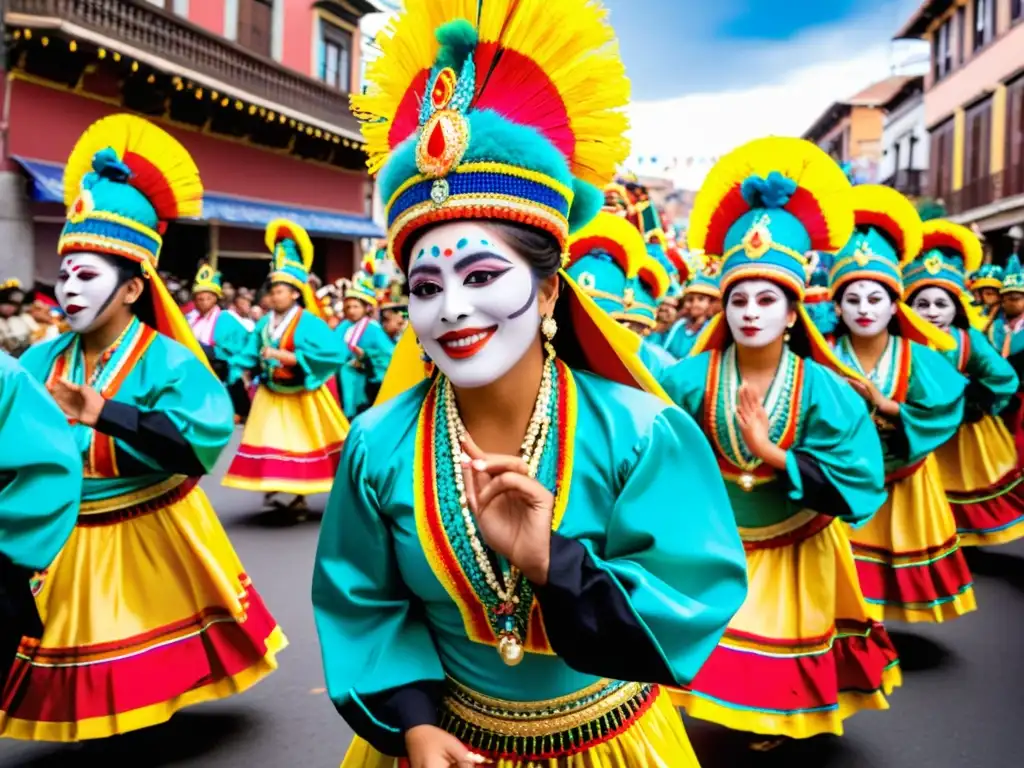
x,y
710,75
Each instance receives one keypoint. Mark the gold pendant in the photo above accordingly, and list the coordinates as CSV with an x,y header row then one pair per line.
x,y
747,482
510,650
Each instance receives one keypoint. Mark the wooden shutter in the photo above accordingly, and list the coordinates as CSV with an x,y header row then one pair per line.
x,y
255,25
1013,183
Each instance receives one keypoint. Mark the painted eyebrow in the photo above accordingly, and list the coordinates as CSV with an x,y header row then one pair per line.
x,y
475,258
424,269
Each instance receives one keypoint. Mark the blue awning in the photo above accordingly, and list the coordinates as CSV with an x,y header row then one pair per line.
x,y
48,187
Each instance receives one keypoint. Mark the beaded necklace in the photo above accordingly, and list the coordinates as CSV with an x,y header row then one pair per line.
x,y
508,595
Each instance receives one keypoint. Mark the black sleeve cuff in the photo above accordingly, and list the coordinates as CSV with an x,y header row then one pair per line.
x,y
151,433
401,708
819,494
893,436
590,622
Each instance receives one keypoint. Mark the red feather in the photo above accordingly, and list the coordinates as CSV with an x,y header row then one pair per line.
x,y
805,207
729,211
151,182
407,117
887,224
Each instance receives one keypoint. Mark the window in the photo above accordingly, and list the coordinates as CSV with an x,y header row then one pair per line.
x,y
1016,10
1013,182
942,161
335,56
255,25
942,50
961,34
984,23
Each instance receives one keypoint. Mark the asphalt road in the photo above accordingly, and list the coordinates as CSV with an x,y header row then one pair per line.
x,y
961,706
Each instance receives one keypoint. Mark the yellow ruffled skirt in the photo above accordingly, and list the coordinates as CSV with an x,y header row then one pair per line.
x,y
291,444
984,483
802,654
146,610
909,561
631,726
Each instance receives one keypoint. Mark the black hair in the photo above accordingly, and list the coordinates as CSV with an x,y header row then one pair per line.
x,y
128,270
300,300
841,327
960,320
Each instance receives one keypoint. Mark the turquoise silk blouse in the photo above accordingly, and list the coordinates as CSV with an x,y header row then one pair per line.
x,y
834,458
318,353
400,601
993,382
166,414
930,392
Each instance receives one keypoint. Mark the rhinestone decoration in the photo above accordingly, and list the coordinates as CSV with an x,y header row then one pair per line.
x,y
758,240
439,191
933,264
82,207
442,143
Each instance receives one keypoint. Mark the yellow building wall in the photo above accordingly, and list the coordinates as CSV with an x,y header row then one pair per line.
x,y
959,131
997,151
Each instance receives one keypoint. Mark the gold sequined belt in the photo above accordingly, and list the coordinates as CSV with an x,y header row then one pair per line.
x,y
132,505
540,730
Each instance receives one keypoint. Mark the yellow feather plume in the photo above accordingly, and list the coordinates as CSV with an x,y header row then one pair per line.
x,y
619,234
874,200
570,40
283,229
796,159
178,193
969,243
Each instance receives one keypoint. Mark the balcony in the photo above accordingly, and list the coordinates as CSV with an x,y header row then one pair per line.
x,y
171,44
908,182
974,194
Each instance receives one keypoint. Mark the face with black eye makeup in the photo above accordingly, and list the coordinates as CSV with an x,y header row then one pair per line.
x,y
473,302
936,306
758,313
86,285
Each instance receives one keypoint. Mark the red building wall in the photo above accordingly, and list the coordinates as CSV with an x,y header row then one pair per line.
x,y
45,123
297,51
208,14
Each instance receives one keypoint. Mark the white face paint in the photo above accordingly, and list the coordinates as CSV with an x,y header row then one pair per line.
x,y
757,313
936,306
85,283
472,303
867,308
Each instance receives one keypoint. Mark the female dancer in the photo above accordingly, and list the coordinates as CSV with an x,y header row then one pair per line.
x,y
367,348
908,556
492,564
147,609
295,430
980,469
699,298
797,448
40,489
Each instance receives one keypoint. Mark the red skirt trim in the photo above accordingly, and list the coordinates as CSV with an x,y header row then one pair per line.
x,y
258,463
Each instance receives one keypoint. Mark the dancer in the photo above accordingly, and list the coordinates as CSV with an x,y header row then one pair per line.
x,y
980,468
445,633
368,348
817,299
699,297
797,447
609,261
147,608
986,285
295,430
40,489
908,555
1007,321
221,335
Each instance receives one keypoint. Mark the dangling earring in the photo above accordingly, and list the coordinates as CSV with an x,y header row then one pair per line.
x,y
548,329
786,335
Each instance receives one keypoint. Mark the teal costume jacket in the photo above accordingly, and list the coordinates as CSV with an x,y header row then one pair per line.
x,y
166,413
355,374
833,466
640,588
681,340
317,353
992,380
40,471
657,360
930,391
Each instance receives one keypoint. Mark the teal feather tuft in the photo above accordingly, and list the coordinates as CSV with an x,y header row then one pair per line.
x,y
458,40
773,191
586,204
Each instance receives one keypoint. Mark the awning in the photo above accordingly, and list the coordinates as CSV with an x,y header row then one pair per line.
x,y
48,187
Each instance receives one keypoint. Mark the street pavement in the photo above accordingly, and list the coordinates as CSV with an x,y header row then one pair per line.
x,y
961,705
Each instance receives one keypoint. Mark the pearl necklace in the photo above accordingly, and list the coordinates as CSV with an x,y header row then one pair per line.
x,y
532,450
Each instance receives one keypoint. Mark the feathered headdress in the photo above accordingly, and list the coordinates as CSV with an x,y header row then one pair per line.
x,y
125,180
494,109
291,259
764,207
501,110
889,234
605,258
209,280
949,253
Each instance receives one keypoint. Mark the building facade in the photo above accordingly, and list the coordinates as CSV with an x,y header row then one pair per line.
x,y
905,145
851,130
974,112
256,90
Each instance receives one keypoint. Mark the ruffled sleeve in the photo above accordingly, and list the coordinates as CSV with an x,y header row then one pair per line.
x,y
685,381
40,471
382,669
934,406
230,339
670,577
993,379
837,466
317,351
